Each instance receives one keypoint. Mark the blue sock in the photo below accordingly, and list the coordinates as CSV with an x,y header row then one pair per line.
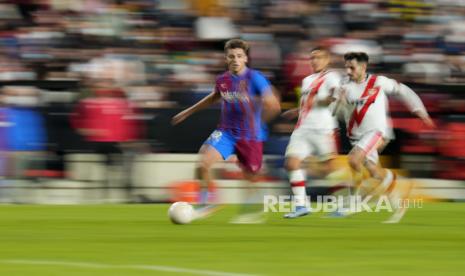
x,y
203,196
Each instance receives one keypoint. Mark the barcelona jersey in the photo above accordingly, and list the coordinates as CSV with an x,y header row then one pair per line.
x,y
241,108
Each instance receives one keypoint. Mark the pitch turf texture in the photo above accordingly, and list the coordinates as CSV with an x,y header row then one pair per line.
x,y
139,240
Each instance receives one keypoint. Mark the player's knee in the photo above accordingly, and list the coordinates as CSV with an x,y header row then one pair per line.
x,y
355,163
198,172
203,167
374,170
328,167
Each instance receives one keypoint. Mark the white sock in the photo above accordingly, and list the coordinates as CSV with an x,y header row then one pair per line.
x,y
297,179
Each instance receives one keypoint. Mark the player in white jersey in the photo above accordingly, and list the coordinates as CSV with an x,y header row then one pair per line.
x,y
314,132
366,114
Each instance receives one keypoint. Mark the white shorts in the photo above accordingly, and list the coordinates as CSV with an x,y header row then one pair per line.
x,y
309,142
370,143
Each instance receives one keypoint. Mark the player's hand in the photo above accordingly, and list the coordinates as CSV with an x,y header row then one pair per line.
x,y
342,94
178,118
428,122
327,101
92,132
333,91
290,114
426,119
340,102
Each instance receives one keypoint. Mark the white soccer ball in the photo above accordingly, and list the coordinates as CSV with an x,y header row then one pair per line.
x,y
181,212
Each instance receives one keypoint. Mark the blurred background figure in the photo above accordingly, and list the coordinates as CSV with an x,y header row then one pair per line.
x,y
3,148
25,131
107,119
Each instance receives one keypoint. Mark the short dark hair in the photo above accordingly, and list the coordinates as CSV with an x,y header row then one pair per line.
x,y
319,48
237,44
358,56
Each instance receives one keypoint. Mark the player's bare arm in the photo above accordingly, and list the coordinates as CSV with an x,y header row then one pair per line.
x,y
271,106
204,103
340,103
291,113
328,100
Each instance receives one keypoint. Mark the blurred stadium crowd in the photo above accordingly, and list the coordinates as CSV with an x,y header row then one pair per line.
x,y
133,64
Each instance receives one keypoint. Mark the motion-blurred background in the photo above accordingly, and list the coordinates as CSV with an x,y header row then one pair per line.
x,y
88,87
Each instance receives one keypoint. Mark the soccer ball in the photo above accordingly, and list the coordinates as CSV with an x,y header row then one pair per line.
x,y
181,212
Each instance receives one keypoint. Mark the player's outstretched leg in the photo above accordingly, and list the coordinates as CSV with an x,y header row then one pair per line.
x,y
356,159
207,195
388,186
298,181
399,197
250,157
300,195
250,212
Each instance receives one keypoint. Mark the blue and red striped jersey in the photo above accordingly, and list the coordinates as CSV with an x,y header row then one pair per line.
x,y
241,108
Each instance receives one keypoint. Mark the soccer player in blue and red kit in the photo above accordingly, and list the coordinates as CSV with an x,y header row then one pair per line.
x,y
247,102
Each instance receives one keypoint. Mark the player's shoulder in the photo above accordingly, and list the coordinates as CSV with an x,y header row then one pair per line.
x,y
383,80
255,74
345,80
330,74
334,75
222,76
258,79
309,78
380,77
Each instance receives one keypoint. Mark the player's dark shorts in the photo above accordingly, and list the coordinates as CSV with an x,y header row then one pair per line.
x,y
248,152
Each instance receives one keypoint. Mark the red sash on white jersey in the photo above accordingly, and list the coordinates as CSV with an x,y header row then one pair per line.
x,y
306,105
357,117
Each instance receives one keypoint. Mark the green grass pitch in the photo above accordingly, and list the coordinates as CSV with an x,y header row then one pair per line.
x,y
140,240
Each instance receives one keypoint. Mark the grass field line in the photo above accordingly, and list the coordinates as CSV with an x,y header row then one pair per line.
x,y
174,269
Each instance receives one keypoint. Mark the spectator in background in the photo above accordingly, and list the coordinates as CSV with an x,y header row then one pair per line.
x,y
107,119
24,129
296,68
3,150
